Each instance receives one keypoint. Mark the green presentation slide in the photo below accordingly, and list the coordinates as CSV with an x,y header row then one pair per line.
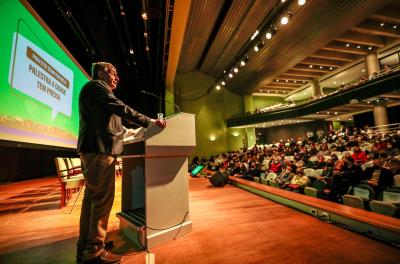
x,y
39,82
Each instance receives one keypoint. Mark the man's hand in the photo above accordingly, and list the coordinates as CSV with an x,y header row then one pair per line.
x,y
161,123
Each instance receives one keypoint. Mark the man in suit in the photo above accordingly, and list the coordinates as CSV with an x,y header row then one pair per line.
x,y
100,139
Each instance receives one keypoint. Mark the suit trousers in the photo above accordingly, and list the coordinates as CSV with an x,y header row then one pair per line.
x,y
99,172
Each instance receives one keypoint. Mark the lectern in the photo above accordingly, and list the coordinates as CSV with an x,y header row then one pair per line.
x,y
155,198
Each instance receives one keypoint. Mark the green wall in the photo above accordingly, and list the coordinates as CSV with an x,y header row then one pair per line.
x,y
211,110
264,101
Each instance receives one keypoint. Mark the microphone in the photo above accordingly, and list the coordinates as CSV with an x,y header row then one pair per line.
x,y
160,99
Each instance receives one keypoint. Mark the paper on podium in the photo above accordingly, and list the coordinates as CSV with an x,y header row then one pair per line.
x,y
134,135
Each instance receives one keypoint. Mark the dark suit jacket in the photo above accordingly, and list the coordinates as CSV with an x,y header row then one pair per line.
x,y
100,125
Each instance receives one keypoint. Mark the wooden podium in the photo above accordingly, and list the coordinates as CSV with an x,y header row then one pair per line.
x,y
155,198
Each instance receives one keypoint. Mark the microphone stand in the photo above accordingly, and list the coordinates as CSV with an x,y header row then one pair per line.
x,y
161,99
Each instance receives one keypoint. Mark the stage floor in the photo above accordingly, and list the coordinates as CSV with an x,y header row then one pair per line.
x,y
229,226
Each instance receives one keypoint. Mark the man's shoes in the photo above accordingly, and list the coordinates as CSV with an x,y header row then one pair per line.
x,y
105,257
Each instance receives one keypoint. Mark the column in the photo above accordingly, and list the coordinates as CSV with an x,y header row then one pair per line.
x,y
250,132
380,114
372,63
316,89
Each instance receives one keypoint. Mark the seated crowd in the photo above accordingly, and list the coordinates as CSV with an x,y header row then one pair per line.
x,y
333,163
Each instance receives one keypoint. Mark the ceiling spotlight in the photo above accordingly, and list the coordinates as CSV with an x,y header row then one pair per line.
x,y
285,20
277,80
370,48
334,82
301,2
256,48
358,46
223,83
268,35
283,1
131,51
363,70
235,70
242,63
320,67
310,66
342,82
347,45
254,34
330,68
327,113
144,16
218,87
395,26
382,24
304,81
298,121
295,81
287,80
335,113
230,75
368,102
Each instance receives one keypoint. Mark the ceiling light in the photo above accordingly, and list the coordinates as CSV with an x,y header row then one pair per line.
x,y
301,2
320,67
335,113
395,26
317,112
256,48
304,81
337,119
363,70
327,113
342,82
310,66
218,87
277,80
330,68
283,1
368,102
334,82
370,48
144,16
285,20
145,34
268,35
350,119
235,70
358,46
131,51
254,34
223,83
287,80
298,121
284,92
347,45
382,24
242,63
230,75
295,81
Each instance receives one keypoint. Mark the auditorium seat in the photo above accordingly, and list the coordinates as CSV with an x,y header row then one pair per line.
x,y
353,201
310,191
256,179
384,208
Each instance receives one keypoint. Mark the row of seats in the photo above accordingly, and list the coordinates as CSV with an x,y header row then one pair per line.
x,y
361,196
70,176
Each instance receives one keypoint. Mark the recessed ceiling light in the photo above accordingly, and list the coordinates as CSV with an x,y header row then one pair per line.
x,y
370,48
277,80
347,45
256,48
330,68
287,80
358,46
310,66
395,26
320,67
230,75
301,2
284,20
334,82
295,81
223,83
304,81
218,87
327,113
268,35
144,16
298,121
335,113
382,24
342,82
236,70
363,70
